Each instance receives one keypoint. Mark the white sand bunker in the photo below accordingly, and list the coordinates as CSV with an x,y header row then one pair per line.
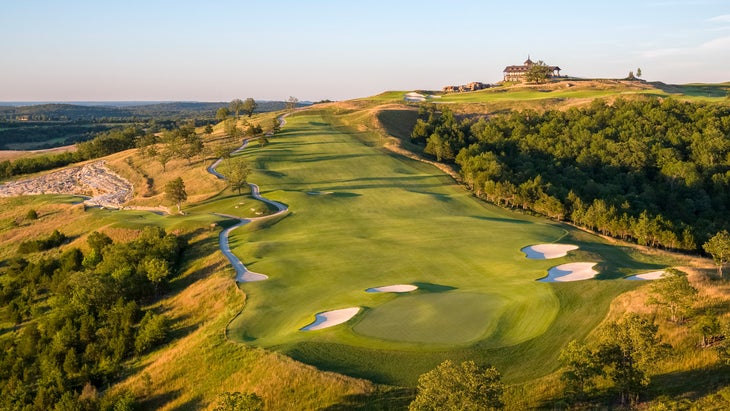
x,y
570,272
397,288
653,275
548,251
331,318
413,96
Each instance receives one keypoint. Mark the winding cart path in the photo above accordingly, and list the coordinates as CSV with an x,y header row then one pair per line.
x,y
243,274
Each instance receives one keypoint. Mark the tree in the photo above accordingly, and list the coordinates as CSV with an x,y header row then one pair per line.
x,y
97,241
638,72
156,270
175,191
709,327
275,125
263,140
628,350
153,329
249,106
231,128
193,146
538,72
291,103
582,366
31,215
222,114
254,129
239,401
674,293
238,172
164,156
236,106
208,129
466,386
439,147
719,248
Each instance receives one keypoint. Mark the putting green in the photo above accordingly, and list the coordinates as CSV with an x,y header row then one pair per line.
x,y
391,220
418,318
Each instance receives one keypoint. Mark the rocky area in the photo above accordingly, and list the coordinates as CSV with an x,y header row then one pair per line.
x,y
96,181
473,86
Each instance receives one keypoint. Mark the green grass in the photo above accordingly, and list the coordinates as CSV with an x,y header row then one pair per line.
x,y
243,206
520,94
390,220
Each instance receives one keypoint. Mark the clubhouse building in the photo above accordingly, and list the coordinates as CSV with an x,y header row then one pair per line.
x,y
517,73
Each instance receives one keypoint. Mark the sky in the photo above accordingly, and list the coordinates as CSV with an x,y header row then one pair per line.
x,y
216,50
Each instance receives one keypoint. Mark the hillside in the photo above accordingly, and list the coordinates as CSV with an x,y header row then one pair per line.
x,y
368,209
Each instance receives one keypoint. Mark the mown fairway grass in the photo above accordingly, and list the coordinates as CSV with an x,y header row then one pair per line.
x,y
361,217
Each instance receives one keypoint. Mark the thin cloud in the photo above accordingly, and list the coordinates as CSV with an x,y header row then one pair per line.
x,y
723,18
722,44
717,44
651,54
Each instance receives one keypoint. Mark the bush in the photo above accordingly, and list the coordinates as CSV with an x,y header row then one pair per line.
x,y
152,330
54,240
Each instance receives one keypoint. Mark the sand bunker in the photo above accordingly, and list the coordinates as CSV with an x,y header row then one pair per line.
x,y
570,272
331,318
319,193
548,251
397,288
413,96
653,275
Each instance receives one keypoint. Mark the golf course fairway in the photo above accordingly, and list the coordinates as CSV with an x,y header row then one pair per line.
x,y
362,217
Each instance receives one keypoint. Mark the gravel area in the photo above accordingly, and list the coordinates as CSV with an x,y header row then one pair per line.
x,y
96,181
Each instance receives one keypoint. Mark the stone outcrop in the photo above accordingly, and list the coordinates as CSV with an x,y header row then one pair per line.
x,y
473,86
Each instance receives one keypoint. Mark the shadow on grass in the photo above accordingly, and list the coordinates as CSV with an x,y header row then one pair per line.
x,y
322,158
501,220
433,288
383,399
156,402
330,194
271,173
692,384
444,198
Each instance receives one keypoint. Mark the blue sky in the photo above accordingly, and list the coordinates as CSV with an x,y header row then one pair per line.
x,y
323,49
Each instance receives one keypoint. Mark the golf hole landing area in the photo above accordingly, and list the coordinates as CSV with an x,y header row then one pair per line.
x,y
443,318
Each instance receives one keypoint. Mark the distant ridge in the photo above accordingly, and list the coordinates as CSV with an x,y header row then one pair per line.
x,y
71,111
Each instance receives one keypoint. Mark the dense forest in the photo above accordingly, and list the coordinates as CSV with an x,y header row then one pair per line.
x,y
652,171
80,319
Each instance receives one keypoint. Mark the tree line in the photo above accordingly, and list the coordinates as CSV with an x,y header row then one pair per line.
x,y
80,319
652,171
